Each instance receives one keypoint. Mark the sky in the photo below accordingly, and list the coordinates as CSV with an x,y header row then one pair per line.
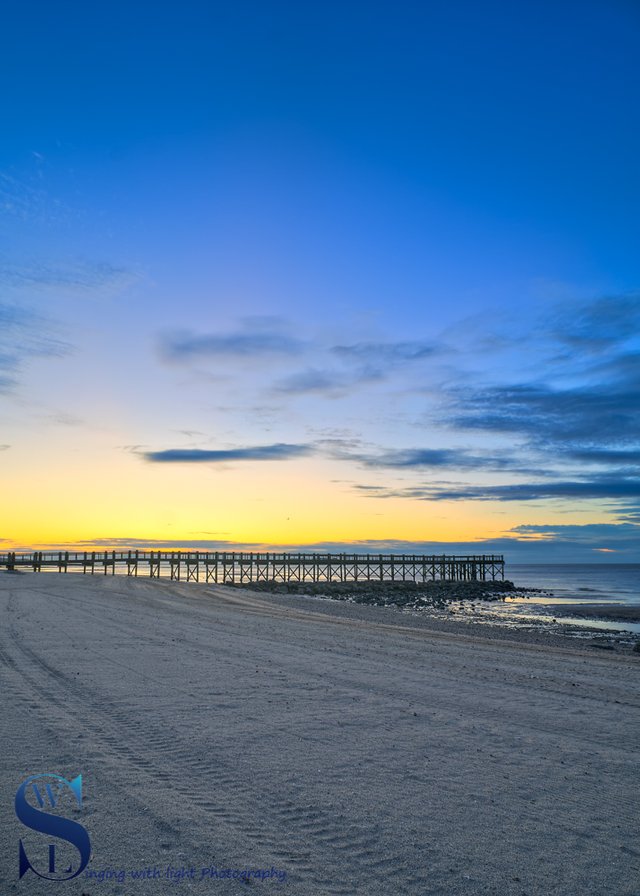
x,y
333,275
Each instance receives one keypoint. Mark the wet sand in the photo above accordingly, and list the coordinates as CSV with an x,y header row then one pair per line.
x,y
615,612
357,749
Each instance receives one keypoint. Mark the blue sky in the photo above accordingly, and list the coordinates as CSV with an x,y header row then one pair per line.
x,y
383,255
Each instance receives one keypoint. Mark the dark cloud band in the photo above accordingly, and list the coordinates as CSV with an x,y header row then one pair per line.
x,y
597,488
279,451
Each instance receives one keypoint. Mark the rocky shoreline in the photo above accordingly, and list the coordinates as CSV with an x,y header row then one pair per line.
x,y
410,595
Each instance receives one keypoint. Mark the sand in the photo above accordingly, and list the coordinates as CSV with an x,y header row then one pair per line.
x,y
354,749
611,611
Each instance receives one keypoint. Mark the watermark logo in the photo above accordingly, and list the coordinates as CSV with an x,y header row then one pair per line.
x,y
69,853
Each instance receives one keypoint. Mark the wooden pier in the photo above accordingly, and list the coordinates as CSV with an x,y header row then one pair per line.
x,y
239,567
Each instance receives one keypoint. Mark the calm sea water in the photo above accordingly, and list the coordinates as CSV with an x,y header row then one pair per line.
x,y
585,583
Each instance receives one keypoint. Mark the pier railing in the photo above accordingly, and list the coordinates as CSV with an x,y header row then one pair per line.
x,y
241,567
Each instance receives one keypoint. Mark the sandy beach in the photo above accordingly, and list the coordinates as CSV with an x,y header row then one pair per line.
x,y
348,749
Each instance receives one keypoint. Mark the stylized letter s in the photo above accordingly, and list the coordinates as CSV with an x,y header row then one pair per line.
x,y
54,825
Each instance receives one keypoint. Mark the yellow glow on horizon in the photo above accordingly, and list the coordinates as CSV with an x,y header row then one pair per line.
x,y
84,498
59,497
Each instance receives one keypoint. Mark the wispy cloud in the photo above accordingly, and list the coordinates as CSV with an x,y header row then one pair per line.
x,y
241,344
328,383
26,199
604,412
585,489
278,451
430,459
582,410
616,538
598,325
122,543
610,456
362,363
80,277
27,333
62,418
168,544
386,353
24,335
629,513
332,370
592,530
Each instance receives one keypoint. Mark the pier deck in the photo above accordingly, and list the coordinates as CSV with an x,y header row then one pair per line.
x,y
241,567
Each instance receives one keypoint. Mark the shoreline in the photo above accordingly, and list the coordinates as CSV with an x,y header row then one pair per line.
x,y
500,607
453,618
470,606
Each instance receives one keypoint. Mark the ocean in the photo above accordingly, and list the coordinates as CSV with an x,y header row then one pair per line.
x,y
587,582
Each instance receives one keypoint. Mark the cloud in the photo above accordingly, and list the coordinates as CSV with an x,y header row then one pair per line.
x,y
627,458
524,544
432,458
592,531
373,362
423,458
578,401
621,367
193,455
62,418
385,353
595,488
578,413
86,278
618,538
363,363
628,514
27,200
562,544
329,383
332,371
147,544
598,325
604,413
24,335
241,344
